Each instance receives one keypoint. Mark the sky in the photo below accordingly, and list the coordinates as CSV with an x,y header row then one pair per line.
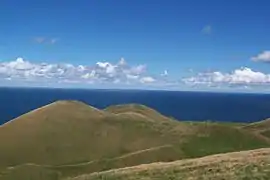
x,y
211,45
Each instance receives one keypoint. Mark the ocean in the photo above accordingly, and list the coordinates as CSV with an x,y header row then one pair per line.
x,y
196,106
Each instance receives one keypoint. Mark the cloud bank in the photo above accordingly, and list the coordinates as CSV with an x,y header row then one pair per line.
x,y
241,77
99,73
121,74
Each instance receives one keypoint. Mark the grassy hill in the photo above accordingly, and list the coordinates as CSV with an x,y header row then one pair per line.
x,y
245,165
260,128
70,138
68,132
139,109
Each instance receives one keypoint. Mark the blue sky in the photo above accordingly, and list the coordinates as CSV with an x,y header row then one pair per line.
x,y
190,40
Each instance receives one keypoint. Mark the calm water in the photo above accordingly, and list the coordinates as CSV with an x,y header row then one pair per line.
x,y
180,105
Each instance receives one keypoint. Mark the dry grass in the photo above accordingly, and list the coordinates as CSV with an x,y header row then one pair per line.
x,y
261,125
245,165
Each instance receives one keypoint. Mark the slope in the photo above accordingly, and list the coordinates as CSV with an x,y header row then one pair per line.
x,y
260,128
207,139
245,165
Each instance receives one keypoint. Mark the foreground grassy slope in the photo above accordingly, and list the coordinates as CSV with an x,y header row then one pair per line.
x,y
162,153
69,138
29,172
41,172
246,165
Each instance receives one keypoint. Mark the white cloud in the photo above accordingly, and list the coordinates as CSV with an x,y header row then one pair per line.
x,y
263,57
132,76
44,40
122,62
207,29
243,76
147,79
89,75
138,69
103,64
101,72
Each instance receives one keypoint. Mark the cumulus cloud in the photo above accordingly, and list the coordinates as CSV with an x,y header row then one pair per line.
x,y
243,76
147,79
122,73
101,72
207,29
263,57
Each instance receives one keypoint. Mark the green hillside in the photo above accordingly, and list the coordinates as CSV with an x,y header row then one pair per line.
x,y
260,128
151,114
69,138
68,132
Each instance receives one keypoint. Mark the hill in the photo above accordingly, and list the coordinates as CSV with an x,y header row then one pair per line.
x,y
245,165
69,138
137,109
68,132
260,128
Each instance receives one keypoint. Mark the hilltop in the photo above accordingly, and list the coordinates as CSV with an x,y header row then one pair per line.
x,y
70,138
142,110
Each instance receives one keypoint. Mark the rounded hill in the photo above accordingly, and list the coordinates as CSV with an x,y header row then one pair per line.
x,y
137,108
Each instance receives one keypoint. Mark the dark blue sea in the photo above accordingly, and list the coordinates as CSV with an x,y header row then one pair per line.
x,y
233,107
